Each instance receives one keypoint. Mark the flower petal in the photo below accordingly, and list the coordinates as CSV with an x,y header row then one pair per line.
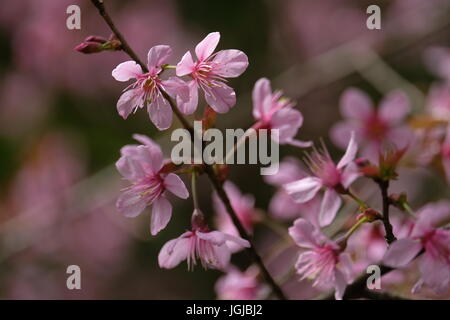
x,y
230,63
350,153
260,92
304,189
130,203
161,214
174,184
306,235
355,104
401,252
127,70
394,107
220,97
173,252
186,65
128,102
157,56
207,46
160,113
331,203
349,174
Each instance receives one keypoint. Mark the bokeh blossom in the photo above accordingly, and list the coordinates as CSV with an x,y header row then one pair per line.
x,y
273,111
142,165
373,127
434,242
208,73
239,285
323,261
326,175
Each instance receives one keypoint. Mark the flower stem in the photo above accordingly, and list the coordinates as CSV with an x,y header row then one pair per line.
x,y
355,227
360,202
390,237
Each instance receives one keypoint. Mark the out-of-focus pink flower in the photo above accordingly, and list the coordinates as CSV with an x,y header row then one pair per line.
x,y
210,247
434,264
282,206
243,205
209,71
327,175
141,165
272,111
324,260
372,128
438,102
146,90
445,153
239,285
438,61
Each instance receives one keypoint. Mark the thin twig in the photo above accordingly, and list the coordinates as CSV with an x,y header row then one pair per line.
x,y
208,169
390,237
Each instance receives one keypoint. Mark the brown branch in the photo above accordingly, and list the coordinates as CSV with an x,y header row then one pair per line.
x,y
390,237
208,169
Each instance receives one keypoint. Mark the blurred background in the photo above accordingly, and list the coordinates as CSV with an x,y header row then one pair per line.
x,y
60,133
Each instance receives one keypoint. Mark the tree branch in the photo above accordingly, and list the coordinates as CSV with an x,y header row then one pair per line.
x,y
208,169
390,237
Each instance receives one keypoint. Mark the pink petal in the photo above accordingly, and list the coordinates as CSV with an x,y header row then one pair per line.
x,y
331,203
261,91
130,203
128,102
435,273
186,65
161,214
173,252
350,153
221,97
231,63
341,132
346,266
152,156
157,56
127,70
174,184
432,216
340,284
222,257
394,107
401,252
306,235
287,121
145,140
349,175
207,46
304,189
401,136
289,170
129,168
188,105
160,113
355,104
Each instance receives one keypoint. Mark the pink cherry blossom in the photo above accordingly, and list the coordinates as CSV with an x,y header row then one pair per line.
x,y
243,205
273,111
434,263
282,206
372,128
148,87
141,165
209,73
326,175
239,285
210,247
438,102
323,261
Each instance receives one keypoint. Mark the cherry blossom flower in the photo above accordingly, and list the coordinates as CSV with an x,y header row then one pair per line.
x,y
148,87
142,165
434,263
438,102
329,176
239,285
243,205
282,206
209,73
210,247
372,128
324,262
272,111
